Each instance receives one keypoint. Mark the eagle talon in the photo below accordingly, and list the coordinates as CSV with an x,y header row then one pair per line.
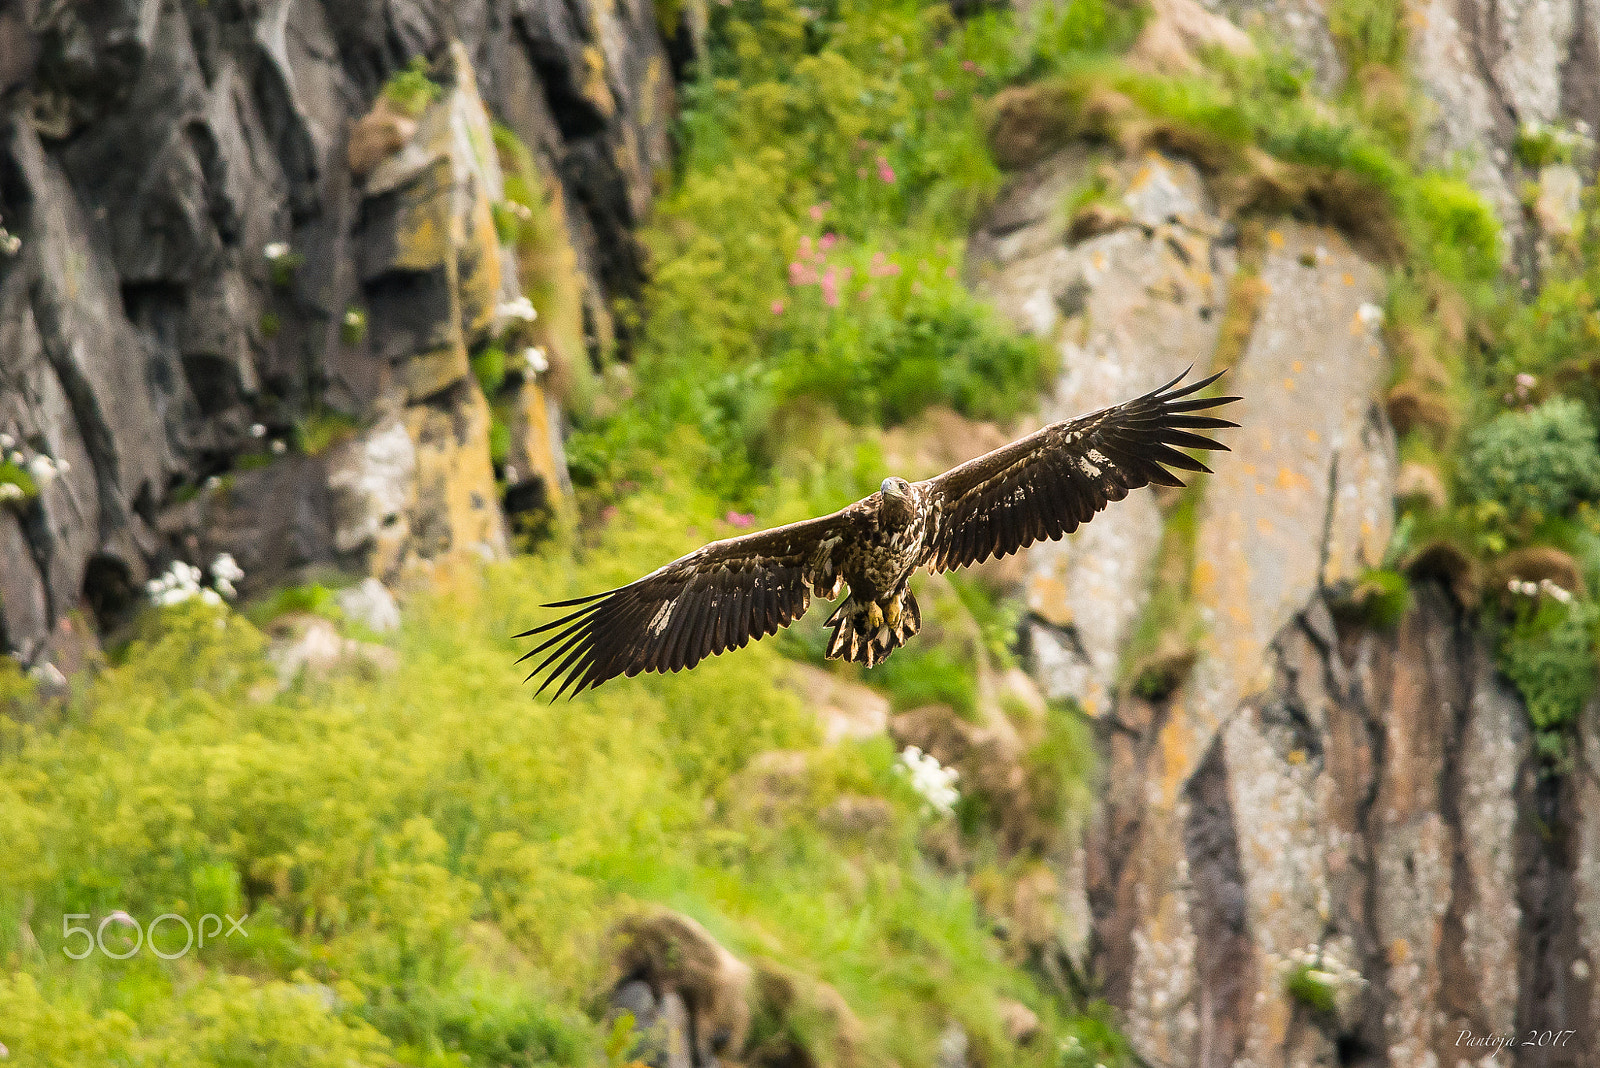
x,y
874,615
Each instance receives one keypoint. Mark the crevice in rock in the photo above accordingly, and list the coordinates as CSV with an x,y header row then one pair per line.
x,y
1224,954
110,592
1552,994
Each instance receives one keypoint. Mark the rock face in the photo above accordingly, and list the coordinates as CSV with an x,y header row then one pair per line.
x,y
1308,797
1487,69
239,225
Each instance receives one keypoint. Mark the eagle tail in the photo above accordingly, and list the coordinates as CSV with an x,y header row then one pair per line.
x,y
866,633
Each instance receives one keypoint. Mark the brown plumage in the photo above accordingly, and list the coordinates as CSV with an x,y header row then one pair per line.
x,y
724,594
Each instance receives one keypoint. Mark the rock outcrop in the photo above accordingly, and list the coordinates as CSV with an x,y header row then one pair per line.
x,y
259,246
1304,794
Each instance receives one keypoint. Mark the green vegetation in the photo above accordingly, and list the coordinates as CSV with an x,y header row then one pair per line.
x,y
14,474
353,327
322,429
529,221
811,247
1535,463
410,91
430,860
1312,988
1549,654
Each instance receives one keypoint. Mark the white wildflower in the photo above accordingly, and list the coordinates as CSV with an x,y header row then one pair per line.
x,y
1370,314
257,430
275,251
225,574
279,448
930,779
181,583
520,310
10,491
535,359
10,243
7,441
1550,589
1324,965
43,469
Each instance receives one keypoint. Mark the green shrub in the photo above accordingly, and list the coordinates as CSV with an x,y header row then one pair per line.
x,y
1549,655
1536,463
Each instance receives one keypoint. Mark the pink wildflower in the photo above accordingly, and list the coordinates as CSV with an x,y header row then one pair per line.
x,y
777,307
972,68
885,172
819,210
805,247
740,519
801,274
941,95
830,288
950,272
1526,381
827,242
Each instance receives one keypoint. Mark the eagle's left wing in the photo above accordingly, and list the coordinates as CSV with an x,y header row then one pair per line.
x,y
718,597
1048,483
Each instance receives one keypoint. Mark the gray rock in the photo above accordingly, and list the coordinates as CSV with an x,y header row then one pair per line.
x,y
371,605
142,330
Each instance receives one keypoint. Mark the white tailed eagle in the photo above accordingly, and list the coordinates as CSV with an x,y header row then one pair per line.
x,y
724,594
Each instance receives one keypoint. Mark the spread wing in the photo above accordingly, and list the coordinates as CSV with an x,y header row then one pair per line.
x,y
1050,482
718,597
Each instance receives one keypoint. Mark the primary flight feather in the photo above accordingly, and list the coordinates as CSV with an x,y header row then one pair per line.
x,y
724,594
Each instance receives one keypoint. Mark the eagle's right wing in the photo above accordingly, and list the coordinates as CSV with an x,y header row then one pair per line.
x,y
1053,480
718,597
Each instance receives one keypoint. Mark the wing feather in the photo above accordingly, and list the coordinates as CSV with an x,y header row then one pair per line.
x,y
1053,481
719,597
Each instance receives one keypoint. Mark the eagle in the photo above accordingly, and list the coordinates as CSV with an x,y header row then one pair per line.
x,y
723,595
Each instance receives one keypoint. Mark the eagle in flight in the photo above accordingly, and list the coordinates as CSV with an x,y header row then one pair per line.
x,y
724,594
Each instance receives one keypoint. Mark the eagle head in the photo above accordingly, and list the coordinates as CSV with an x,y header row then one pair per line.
x,y
899,504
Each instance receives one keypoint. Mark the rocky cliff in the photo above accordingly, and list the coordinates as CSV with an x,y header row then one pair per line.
x,y
258,248
1290,791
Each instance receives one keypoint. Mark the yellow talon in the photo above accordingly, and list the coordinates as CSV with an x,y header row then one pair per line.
x,y
874,615
892,614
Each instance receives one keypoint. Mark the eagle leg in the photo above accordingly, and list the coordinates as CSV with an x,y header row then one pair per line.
x,y
866,632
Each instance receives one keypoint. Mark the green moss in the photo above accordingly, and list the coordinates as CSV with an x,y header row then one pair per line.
x,y
322,429
271,323
1312,989
489,366
1380,598
410,91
